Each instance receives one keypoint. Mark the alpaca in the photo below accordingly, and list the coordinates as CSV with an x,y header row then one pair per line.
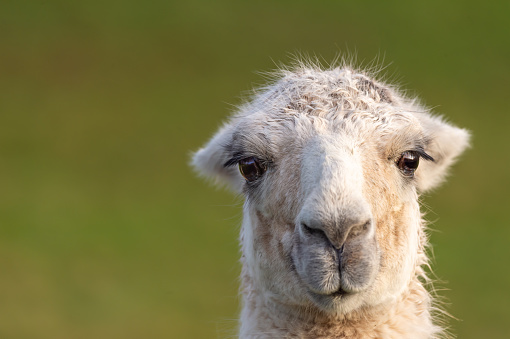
x,y
331,163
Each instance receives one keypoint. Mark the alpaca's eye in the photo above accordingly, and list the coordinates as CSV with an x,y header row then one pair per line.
x,y
408,162
251,168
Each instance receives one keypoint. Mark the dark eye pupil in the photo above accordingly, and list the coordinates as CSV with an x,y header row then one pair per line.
x,y
251,169
408,162
411,162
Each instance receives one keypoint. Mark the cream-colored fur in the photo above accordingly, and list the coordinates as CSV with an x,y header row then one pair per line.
x,y
332,238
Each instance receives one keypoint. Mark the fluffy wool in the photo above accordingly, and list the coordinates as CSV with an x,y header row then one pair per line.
x,y
332,240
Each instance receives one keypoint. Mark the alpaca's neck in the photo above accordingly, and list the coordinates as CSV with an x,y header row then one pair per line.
x,y
407,317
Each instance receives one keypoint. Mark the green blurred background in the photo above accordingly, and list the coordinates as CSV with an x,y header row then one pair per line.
x,y
105,232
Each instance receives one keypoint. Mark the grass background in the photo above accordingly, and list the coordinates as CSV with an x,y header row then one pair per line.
x,y
104,230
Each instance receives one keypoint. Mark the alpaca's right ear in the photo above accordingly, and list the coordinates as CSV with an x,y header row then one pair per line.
x,y
209,161
446,143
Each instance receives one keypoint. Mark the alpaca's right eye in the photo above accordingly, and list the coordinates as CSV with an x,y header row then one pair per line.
x,y
251,168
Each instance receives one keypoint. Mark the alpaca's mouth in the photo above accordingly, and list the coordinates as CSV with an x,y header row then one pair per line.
x,y
339,293
331,301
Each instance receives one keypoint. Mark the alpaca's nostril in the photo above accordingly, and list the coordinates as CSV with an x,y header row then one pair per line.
x,y
317,234
312,231
336,234
359,229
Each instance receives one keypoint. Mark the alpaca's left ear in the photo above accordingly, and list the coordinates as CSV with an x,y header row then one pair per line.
x,y
209,161
446,143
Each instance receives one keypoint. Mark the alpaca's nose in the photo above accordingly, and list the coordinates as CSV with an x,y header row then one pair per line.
x,y
338,232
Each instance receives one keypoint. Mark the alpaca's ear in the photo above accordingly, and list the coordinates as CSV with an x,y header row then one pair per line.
x,y
209,161
446,143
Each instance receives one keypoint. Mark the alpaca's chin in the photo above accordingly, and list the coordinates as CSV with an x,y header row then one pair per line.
x,y
336,303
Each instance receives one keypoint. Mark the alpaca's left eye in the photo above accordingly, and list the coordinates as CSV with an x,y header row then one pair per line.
x,y
408,162
251,168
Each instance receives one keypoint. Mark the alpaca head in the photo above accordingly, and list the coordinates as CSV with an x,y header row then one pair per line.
x,y
331,164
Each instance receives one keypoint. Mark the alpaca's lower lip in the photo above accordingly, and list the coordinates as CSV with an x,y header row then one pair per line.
x,y
339,293
329,302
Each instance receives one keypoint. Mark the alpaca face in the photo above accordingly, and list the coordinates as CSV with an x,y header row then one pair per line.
x,y
330,163
333,221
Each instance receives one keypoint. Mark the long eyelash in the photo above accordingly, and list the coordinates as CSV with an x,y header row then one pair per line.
x,y
234,160
240,156
421,152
